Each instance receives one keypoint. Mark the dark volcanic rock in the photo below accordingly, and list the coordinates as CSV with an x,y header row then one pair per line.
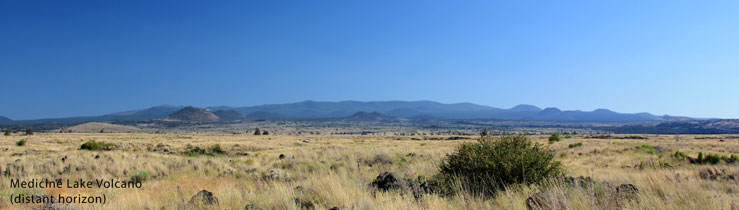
x,y
628,191
304,204
204,197
252,207
715,174
580,181
386,181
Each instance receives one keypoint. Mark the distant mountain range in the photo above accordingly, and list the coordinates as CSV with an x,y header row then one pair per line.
x,y
353,110
435,110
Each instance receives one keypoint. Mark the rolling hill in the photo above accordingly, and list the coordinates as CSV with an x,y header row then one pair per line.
x,y
192,114
229,115
145,114
5,120
372,116
98,127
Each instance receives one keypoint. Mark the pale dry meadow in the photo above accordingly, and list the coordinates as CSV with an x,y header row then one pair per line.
x,y
326,171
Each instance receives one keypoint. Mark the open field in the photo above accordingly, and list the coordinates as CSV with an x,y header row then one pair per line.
x,y
326,171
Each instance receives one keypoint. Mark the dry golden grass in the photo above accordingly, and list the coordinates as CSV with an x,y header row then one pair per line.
x,y
335,171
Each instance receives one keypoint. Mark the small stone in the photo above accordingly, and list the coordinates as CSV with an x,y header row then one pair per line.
x,y
252,207
628,191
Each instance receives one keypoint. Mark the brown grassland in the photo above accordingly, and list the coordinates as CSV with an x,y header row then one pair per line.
x,y
336,171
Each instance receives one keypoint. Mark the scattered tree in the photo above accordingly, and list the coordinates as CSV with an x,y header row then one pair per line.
x,y
265,133
29,131
257,132
8,132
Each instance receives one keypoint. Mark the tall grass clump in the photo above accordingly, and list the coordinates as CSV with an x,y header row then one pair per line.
x,y
575,145
649,149
491,164
141,176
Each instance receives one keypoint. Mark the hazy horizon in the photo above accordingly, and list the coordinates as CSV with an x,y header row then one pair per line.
x,y
85,58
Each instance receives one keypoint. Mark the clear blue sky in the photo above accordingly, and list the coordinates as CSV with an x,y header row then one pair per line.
x,y
72,58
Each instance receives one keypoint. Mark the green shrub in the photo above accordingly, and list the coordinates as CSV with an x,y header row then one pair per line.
x,y
730,159
484,167
140,176
646,148
8,132
29,131
568,136
21,142
712,159
401,162
265,133
679,155
191,154
216,149
95,146
578,144
555,137
257,132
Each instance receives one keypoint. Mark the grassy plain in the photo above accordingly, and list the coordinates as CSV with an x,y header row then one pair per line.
x,y
336,170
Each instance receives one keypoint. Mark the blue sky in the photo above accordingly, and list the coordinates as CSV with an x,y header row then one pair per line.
x,y
72,58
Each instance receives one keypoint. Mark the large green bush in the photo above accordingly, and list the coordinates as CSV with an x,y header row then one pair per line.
x,y
94,146
491,164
